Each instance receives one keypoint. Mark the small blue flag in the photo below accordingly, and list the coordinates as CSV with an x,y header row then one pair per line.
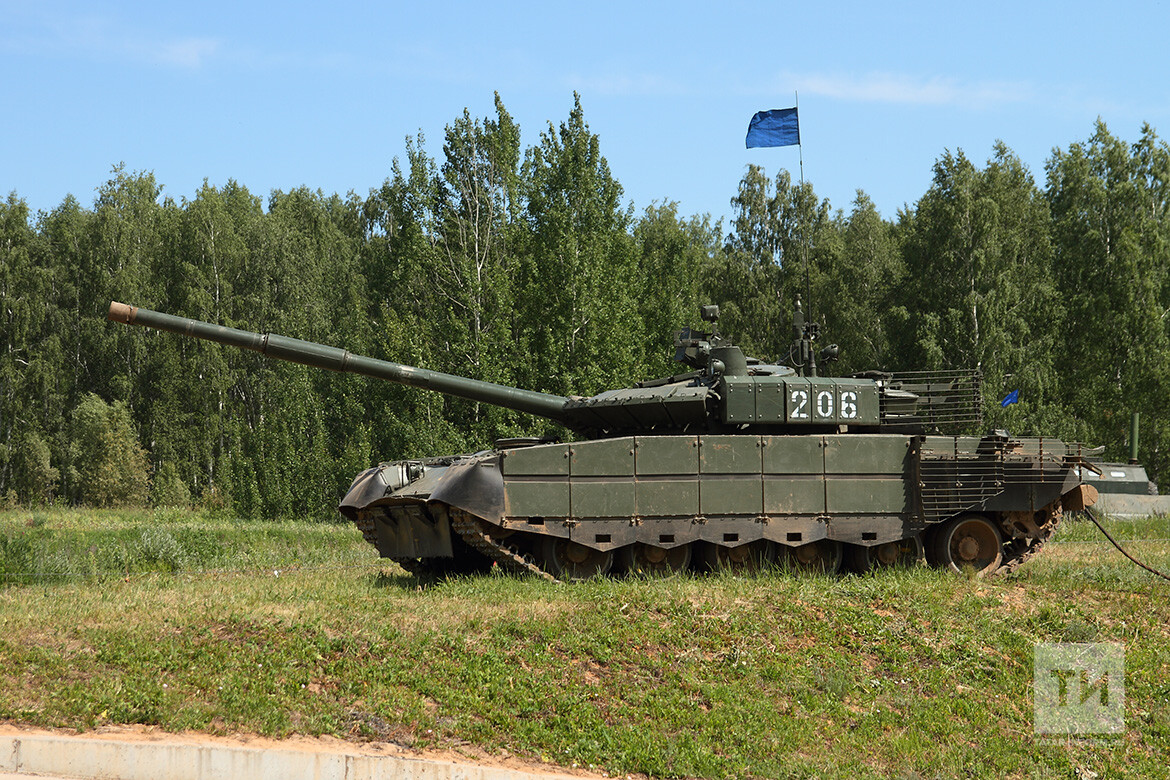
x,y
778,127
1011,398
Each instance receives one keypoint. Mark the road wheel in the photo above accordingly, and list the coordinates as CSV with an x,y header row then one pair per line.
x,y
970,542
820,557
646,560
900,554
569,561
749,557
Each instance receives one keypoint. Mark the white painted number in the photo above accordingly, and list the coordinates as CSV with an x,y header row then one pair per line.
x,y
846,403
824,404
849,404
799,405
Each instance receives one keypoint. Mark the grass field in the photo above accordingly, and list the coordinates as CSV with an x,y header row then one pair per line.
x,y
207,623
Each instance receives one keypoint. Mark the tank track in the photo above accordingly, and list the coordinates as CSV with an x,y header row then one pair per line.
x,y
1018,551
365,523
471,528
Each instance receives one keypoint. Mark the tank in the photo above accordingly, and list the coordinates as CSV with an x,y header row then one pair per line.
x,y
732,462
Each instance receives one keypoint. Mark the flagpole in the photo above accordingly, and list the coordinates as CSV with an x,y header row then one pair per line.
x,y
799,146
781,127
803,231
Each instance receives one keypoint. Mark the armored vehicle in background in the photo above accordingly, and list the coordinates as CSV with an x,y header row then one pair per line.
x,y
733,462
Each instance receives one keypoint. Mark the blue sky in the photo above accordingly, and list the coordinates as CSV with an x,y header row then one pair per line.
x,y
323,94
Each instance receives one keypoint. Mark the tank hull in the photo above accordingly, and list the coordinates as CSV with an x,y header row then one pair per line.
x,y
717,493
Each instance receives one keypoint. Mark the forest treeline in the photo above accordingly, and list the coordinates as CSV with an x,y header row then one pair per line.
x,y
524,266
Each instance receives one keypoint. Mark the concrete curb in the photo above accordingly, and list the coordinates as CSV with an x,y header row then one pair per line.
x,y
109,759
1132,505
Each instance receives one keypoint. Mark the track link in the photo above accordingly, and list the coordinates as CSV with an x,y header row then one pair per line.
x,y
1018,551
473,531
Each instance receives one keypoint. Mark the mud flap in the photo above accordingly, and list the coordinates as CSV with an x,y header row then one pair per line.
x,y
410,531
475,486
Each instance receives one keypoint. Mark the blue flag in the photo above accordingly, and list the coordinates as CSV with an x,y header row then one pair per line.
x,y
778,127
1011,398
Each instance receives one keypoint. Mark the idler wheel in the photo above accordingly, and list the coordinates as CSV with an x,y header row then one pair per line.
x,y
968,542
900,554
820,557
752,556
570,561
646,560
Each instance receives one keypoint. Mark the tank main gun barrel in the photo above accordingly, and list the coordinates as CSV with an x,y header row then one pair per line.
x,y
335,359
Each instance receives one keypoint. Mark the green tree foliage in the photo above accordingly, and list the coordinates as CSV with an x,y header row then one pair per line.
x,y
979,284
110,466
34,475
674,255
444,272
863,278
128,235
167,488
784,247
757,278
21,280
1112,245
522,266
577,330
188,422
454,232
400,218
473,296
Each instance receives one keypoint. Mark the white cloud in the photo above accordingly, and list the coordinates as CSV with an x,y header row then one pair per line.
x,y
184,53
98,37
873,87
898,88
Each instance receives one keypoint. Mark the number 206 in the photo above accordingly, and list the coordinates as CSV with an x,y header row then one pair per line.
x,y
823,405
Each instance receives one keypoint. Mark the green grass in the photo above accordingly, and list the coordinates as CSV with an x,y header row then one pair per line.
x,y
905,674
1079,529
56,544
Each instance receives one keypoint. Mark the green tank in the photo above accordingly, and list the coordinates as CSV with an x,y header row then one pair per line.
x,y
733,462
